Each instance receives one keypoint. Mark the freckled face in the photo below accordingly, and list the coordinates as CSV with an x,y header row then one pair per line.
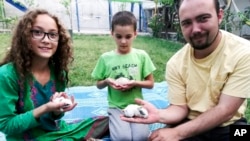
x,y
44,47
124,36
199,22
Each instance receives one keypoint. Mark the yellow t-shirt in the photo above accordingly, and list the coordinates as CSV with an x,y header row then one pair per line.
x,y
200,82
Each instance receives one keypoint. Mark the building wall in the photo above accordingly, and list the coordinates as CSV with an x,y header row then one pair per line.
x,y
92,14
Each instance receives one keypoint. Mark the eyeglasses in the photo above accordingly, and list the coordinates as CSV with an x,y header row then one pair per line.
x,y
38,34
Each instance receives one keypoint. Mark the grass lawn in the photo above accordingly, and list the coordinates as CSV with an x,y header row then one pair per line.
x,y
88,48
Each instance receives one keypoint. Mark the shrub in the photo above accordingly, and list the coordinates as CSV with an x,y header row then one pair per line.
x,y
157,25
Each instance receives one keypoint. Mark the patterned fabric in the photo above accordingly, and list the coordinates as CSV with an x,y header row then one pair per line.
x,y
92,102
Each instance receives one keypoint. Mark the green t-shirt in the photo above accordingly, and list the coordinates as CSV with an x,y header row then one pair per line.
x,y
135,65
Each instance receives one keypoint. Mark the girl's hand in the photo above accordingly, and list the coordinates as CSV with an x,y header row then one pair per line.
x,y
59,106
56,108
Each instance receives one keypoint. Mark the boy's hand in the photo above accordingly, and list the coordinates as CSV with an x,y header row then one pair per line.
x,y
121,84
124,83
130,84
112,83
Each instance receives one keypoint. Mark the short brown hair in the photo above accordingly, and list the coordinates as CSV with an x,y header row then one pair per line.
x,y
124,18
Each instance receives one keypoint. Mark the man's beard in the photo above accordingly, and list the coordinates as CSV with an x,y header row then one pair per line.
x,y
204,45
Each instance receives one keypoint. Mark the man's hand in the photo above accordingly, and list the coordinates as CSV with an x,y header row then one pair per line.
x,y
164,134
153,113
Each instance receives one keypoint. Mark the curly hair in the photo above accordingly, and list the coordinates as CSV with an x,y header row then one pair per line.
x,y
21,55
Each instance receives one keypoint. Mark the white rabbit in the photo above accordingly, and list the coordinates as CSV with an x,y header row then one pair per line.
x,y
122,80
133,110
67,102
2,137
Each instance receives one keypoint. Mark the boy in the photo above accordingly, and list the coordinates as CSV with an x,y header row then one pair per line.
x,y
125,71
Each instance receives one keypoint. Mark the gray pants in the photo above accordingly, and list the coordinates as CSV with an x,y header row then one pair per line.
x,y
125,131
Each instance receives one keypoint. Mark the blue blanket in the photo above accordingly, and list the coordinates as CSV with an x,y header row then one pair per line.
x,y
93,102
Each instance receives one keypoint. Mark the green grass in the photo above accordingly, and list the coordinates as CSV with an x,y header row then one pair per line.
x,y
87,50
4,44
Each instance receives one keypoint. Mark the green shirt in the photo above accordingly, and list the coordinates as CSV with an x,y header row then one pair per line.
x,y
17,105
135,65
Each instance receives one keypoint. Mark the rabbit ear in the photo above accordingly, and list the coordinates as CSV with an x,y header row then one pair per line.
x,y
141,111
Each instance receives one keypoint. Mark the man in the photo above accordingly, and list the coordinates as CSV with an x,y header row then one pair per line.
x,y
208,79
